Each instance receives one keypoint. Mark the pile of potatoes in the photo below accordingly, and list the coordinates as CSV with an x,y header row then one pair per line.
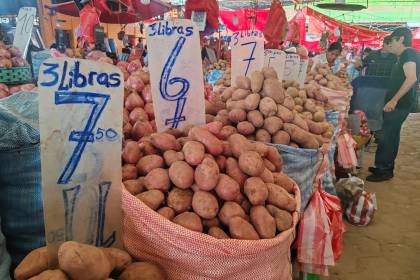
x,y
264,109
228,188
323,76
78,261
220,65
225,79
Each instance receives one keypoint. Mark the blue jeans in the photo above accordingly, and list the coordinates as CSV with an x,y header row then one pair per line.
x,y
390,140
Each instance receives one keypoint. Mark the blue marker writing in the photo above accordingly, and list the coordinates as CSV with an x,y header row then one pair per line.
x,y
251,57
103,194
70,198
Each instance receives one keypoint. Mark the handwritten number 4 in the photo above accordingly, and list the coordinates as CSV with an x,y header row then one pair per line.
x,y
251,57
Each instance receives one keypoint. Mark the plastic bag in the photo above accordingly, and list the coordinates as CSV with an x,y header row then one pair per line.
x,y
89,18
346,147
275,28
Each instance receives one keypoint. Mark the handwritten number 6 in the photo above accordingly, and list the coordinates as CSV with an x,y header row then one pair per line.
x,y
251,57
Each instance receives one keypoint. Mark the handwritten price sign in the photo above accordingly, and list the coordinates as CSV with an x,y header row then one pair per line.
x,y
275,59
247,53
80,118
303,67
176,73
24,26
291,67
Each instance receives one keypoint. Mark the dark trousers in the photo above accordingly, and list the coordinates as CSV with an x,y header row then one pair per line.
x,y
390,140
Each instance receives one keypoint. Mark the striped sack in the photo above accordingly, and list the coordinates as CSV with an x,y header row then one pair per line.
x,y
361,211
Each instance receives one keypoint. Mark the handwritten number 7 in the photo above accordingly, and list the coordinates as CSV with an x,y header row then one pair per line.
x,y
99,102
251,57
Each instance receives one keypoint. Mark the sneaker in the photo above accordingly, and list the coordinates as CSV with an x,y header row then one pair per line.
x,y
379,177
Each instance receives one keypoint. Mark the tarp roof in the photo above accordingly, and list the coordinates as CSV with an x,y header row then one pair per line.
x,y
12,7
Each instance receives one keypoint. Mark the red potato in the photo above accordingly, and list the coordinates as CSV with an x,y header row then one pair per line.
x,y
284,181
147,148
133,101
205,205
275,158
194,152
281,137
226,131
229,210
240,94
227,188
209,118
165,141
213,145
279,197
256,118
267,176
126,118
245,128
256,191
268,107
157,179
131,152
170,156
273,124
143,271
181,174
214,127
152,198
190,221
257,80
269,165
177,133
207,174
218,233
262,135
233,170
148,163
167,212
138,114
263,222
141,129
211,223
129,171
221,162
284,113
239,228
251,163
134,186
283,219
239,144
237,115
227,151
180,200
223,118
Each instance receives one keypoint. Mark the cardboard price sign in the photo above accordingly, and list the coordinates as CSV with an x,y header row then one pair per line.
x,y
291,67
247,53
303,67
275,59
24,26
176,73
80,120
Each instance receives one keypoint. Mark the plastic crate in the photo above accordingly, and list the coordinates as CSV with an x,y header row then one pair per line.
x,y
16,75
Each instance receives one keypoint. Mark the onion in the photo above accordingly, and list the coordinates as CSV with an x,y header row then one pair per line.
x,y
5,63
149,110
127,130
138,114
134,66
133,101
15,52
146,93
140,129
135,82
126,119
122,65
144,76
5,53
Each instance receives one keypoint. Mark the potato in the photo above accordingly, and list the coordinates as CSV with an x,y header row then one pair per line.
x,y
263,222
211,223
284,219
205,205
281,137
260,148
273,88
243,82
269,73
245,128
143,271
302,95
213,145
209,118
131,152
319,116
267,176
233,170
297,120
56,274
167,212
218,233
223,118
262,135
148,163
134,186
273,124
323,82
257,80
294,145
158,179
298,102
289,103
315,128
84,262
227,188
118,259
256,118
285,114
268,107
165,141
152,198
175,132
207,174
279,197
269,165
213,127
310,105
239,144
328,134
284,181
301,137
318,77
189,220
252,101
239,228
237,115
227,151
251,137
240,94
226,131
180,200
170,156
275,158
129,171
251,163
240,104
193,152
306,115
229,210
292,92
33,264
256,190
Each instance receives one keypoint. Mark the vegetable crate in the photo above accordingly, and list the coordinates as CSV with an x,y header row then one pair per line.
x,y
16,75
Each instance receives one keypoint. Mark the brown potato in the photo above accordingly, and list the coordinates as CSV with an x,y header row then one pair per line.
x,y
285,114
269,165
33,264
267,176
207,175
129,172
181,174
227,188
240,94
239,144
252,101
157,179
301,136
118,259
193,152
218,233
314,127
319,116
310,105
211,223
279,197
226,131
300,122
273,88
260,148
233,170
298,109
227,93
180,200
230,209
245,128
292,91
167,212
205,205
268,107
243,82
275,158
284,219
262,135
263,222
56,274
256,191
213,145
256,118
299,102
237,115
281,137
131,152
251,163
165,141
269,73
148,163
170,156
239,228
189,220
273,124
143,271
289,103
257,80
152,198
134,186
284,181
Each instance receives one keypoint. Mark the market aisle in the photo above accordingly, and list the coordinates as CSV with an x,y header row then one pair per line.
x,y
389,248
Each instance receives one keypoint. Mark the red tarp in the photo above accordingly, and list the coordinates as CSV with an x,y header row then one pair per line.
x,y
211,7
243,22
275,28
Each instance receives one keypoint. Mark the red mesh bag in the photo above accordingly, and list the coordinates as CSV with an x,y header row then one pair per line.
x,y
189,255
209,6
89,17
276,24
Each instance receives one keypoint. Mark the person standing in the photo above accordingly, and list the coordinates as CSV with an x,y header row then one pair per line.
x,y
330,57
381,62
398,103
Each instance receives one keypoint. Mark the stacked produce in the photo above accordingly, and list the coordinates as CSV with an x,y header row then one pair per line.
x,y
264,109
6,91
11,56
85,262
225,79
323,76
224,66
227,189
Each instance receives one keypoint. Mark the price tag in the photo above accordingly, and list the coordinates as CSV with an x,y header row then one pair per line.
x,y
291,67
303,67
80,120
24,26
275,59
176,73
247,53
